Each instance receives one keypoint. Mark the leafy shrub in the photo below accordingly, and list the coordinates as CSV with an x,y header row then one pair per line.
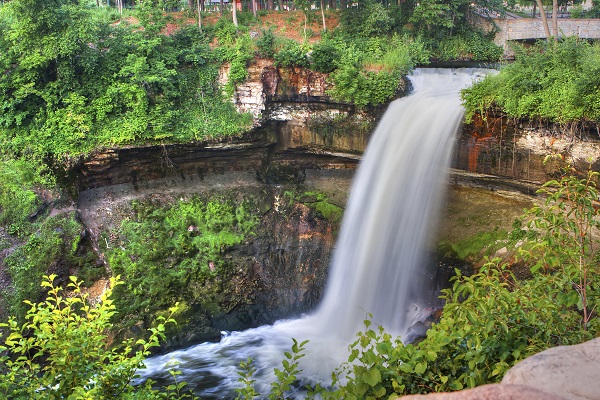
x,y
557,82
370,75
291,55
266,43
163,251
62,350
473,46
324,56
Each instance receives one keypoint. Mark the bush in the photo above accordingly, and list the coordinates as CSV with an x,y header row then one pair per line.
x,y
266,43
291,55
62,350
556,82
164,253
324,56
369,72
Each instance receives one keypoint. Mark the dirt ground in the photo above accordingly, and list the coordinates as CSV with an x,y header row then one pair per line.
x,y
289,24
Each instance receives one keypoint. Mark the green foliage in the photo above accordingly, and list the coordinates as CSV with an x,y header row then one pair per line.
x,y
558,82
247,381
324,56
369,72
288,374
472,46
78,81
266,43
473,247
291,55
164,253
62,350
18,200
320,203
441,19
370,18
53,243
559,237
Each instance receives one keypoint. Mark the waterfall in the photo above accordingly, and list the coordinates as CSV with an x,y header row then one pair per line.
x,y
392,207
379,259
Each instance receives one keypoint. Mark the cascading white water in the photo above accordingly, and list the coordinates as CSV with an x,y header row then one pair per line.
x,y
394,201
380,251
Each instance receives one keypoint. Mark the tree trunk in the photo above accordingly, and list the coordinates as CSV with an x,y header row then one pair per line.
x,y
199,14
254,7
270,5
555,19
234,13
221,7
323,15
544,19
280,5
534,6
191,4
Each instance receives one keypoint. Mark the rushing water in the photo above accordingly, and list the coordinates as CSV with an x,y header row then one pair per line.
x,y
379,261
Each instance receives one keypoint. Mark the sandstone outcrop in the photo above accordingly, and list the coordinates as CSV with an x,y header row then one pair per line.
x,y
572,372
490,392
559,373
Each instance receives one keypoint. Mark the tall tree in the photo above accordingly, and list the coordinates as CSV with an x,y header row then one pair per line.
x,y
555,19
199,11
323,15
544,19
234,13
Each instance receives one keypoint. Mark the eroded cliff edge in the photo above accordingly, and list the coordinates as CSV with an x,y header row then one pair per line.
x,y
303,143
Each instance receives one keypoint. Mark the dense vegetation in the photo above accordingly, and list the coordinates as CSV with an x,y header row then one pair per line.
x,y
76,78
554,82
170,254
491,319
61,351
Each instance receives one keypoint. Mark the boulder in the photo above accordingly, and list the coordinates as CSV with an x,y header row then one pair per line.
x,y
572,372
490,392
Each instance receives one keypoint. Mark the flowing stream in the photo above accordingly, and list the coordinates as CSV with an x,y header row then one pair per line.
x,y
379,266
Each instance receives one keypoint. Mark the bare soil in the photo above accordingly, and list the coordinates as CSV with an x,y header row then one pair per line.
x,y
288,24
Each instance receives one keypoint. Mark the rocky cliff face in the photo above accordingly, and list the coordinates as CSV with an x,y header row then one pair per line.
x,y
302,142
526,150
297,125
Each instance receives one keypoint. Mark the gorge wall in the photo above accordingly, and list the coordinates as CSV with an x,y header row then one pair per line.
x,y
305,144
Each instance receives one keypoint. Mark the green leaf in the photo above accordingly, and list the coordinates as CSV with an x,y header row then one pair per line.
x,y
420,368
372,377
